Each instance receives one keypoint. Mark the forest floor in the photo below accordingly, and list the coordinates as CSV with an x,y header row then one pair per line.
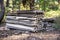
x,y
50,35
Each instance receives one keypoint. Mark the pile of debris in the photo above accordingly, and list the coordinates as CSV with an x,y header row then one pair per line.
x,y
25,20
49,23
29,20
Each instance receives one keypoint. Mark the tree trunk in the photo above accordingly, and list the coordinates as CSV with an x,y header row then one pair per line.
x,y
2,9
59,1
32,4
7,3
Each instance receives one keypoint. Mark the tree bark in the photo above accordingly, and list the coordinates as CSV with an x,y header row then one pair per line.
x,y
59,1
7,3
32,4
2,9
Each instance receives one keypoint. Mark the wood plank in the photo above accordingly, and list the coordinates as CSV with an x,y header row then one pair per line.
x,y
25,18
11,21
19,18
29,11
20,27
27,24
10,17
21,22
26,15
11,14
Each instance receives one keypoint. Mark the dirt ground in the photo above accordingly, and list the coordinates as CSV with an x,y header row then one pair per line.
x,y
8,35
